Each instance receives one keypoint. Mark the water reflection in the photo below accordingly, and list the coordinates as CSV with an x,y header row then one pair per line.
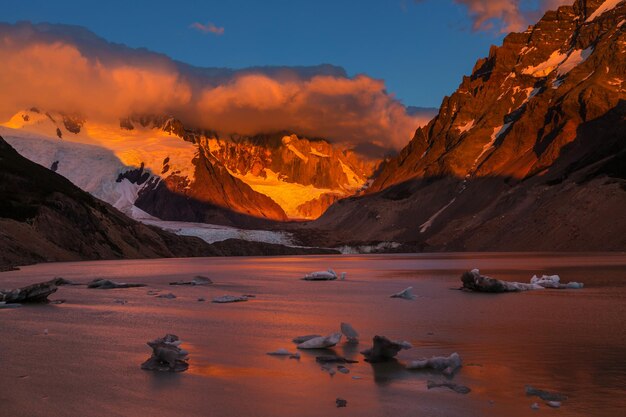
x,y
565,341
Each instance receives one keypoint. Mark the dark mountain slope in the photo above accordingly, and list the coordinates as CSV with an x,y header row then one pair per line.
x,y
44,217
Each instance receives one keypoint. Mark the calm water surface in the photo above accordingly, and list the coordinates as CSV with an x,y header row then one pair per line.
x,y
570,341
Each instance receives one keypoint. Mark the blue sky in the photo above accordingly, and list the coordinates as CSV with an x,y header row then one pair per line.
x,y
421,50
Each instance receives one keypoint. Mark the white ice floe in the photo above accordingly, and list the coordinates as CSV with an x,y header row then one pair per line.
x,y
329,275
406,294
321,342
554,281
446,364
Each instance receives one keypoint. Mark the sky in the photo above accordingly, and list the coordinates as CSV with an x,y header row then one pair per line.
x,y
420,48
395,53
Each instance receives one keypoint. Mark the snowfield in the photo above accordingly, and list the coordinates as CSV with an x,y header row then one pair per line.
x,y
213,233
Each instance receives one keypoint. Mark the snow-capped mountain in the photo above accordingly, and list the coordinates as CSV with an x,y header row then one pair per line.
x,y
528,153
44,217
154,166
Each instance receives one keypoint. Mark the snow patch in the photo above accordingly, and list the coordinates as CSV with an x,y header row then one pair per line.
x,y
603,8
426,225
497,132
354,181
546,67
467,126
288,195
577,57
287,142
318,153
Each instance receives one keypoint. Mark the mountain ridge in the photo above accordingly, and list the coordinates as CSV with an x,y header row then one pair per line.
x,y
520,156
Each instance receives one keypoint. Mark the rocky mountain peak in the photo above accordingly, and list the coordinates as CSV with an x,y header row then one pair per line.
x,y
563,71
523,155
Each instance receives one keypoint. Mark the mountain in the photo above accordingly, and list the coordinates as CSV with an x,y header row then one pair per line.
x,y
154,165
44,217
527,154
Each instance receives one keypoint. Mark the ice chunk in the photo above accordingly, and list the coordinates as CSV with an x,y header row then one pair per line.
x,y
546,281
448,365
329,275
230,299
406,294
321,342
554,281
285,352
474,281
302,339
351,334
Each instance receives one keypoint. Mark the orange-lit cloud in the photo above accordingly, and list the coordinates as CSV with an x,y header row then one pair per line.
x,y
507,15
208,28
68,69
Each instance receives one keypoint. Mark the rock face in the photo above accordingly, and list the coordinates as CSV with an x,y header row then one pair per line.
x,y
44,217
314,173
531,143
214,196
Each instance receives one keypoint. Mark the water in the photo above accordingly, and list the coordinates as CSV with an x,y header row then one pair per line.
x,y
569,341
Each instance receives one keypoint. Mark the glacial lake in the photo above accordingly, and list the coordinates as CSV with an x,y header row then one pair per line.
x,y
82,357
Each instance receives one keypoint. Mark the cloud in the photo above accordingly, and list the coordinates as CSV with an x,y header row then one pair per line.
x,y
208,28
69,69
506,15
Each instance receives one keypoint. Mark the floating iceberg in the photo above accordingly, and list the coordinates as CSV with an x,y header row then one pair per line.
x,y
329,275
554,281
321,342
406,294
448,365
166,355
198,280
230,299
105,284
284,352
473,281
461,389
351,334
302,339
